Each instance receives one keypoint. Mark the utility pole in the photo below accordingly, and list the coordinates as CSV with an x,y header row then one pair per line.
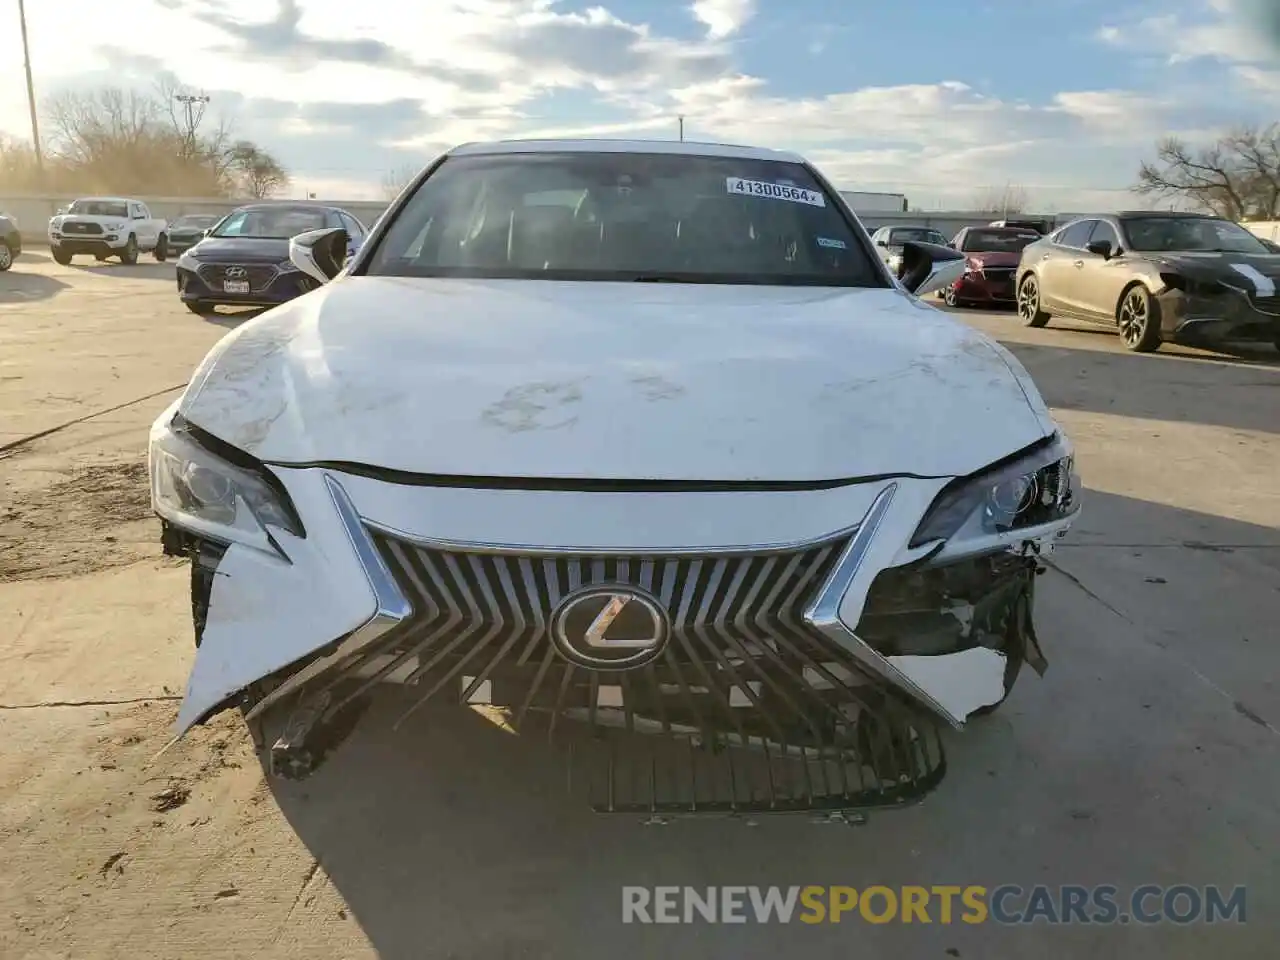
x,y
193,107
31,91
682,129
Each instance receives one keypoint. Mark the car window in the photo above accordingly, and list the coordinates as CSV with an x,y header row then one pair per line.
x,y
100,208
1077,235
602,215
1190,233
997,240
900,235
354,227
270,223
143,211
1104,232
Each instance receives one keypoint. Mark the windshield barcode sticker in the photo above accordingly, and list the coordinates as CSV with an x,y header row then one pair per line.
x,y
774,191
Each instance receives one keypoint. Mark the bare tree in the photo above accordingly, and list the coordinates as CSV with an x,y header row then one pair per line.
x,y
1237,176
258,172
123,141
393,181
19,172
1011,198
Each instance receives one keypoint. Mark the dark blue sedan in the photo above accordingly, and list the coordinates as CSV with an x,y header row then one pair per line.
x,y
243,261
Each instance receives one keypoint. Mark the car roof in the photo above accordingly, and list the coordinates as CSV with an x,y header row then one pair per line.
x,y
689,148
104,200
289,204
1166,214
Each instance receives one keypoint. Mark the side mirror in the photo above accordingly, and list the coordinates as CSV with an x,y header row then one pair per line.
x,y
928,267
1101,248
320,254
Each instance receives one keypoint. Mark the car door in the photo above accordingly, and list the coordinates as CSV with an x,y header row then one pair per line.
x,y
1060,266
143,228
1101,280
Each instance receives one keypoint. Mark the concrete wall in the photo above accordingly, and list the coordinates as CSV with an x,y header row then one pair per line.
x,y
33,213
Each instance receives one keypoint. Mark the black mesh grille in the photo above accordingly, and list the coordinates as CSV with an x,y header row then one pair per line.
x,y
82,229
1269,305
748,707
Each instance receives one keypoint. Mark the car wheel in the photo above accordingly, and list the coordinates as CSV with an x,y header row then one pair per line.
x,y
59,255
129,255
1138,318
6,256
200,309
162,249
949,297
1029,311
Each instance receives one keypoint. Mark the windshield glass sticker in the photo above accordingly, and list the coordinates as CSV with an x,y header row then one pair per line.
x,y
774,191
832,244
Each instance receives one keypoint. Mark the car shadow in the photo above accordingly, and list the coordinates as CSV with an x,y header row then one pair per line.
x,y
18,286
452,837
1236,393
142,270
232,320
33,256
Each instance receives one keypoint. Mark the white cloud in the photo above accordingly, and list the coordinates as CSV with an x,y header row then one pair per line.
x,y
343,96
723,17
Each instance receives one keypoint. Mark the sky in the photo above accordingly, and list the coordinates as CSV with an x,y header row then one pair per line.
x,y
933,99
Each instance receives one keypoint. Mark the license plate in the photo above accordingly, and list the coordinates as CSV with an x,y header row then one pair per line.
x,y
235,286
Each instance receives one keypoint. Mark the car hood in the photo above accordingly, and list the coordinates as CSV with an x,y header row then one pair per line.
x,y
241,250
1259,272
615,381
1000,258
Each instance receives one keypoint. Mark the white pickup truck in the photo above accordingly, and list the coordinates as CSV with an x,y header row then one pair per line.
x,y
107,227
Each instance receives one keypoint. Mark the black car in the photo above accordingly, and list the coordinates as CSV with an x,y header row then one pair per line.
x,y
10,242
1155,277
243,260
187,231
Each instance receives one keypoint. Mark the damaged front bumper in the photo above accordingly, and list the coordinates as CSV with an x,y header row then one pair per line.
x,y
1215,312
800,668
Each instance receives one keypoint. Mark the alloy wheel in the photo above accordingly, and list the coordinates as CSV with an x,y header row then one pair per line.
x,y
1028,300
6,256
1133,317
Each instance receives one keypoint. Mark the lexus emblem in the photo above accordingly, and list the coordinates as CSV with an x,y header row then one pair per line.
x,y
235,273
610,627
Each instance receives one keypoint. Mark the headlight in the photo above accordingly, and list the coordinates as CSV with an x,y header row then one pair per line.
x,y
202,492
1032,488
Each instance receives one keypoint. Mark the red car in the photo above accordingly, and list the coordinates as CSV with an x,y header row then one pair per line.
x,y
991,255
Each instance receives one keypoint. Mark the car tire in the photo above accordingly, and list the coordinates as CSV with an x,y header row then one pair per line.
x,y
129,255
162,249
100,257
1028,304
1138,320
6,256
59,255
949,298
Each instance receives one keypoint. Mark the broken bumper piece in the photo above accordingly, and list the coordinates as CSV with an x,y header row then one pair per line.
x,y
803,673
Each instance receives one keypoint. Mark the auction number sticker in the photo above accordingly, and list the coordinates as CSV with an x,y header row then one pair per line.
x,y
774,191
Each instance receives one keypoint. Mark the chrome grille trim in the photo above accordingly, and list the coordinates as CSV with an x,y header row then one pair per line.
x,y
534,550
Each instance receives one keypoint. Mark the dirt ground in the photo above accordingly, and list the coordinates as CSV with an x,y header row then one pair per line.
x,y
1149,753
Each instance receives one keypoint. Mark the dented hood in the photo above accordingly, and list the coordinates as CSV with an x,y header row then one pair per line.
x,y
551,379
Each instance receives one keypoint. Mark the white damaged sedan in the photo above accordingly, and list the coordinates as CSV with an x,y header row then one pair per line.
x,y
636,443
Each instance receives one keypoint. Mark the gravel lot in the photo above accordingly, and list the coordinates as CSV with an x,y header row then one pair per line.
x,y
1149,753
